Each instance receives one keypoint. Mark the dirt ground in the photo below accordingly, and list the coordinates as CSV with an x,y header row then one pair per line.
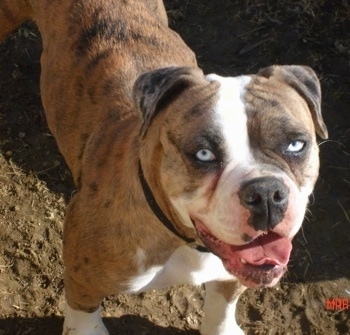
x,y
229,38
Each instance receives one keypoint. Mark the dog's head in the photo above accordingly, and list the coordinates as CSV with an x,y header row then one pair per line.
x,y
234,158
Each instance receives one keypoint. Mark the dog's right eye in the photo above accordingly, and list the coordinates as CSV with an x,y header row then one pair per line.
x,y
205,155
295,147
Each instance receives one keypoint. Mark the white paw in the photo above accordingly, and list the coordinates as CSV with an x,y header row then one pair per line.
x,y
211,329
219,314
81,323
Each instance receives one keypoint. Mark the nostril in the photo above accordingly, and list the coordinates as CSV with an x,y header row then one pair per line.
x,y
279,197
254,199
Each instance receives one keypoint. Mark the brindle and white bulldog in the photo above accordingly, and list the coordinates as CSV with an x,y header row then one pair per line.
x,y
181,177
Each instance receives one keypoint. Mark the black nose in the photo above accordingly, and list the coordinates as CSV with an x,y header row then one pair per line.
x,y
267,200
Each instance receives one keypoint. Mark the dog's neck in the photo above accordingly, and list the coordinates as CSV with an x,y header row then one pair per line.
x,y
152,203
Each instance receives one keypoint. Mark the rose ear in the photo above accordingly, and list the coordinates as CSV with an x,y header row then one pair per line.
x,y
156,89
304,80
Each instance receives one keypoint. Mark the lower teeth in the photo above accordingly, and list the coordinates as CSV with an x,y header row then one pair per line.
x,y
243,261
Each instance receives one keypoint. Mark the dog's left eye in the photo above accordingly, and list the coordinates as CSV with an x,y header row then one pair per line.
x,y
205,155
296,147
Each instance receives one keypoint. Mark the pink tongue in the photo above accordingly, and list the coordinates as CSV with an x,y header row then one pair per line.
x,y
267,249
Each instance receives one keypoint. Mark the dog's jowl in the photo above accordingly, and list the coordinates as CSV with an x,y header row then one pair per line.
x,y
181,177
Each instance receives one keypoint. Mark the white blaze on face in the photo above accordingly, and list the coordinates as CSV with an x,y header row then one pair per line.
x,y
226,217
231,116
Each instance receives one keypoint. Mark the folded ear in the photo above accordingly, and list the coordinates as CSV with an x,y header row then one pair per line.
x,y
156,89
304,80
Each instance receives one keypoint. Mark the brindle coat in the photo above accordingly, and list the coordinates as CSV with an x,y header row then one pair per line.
x,y
93,52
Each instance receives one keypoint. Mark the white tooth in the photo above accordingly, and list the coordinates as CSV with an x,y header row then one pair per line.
x,y
243,261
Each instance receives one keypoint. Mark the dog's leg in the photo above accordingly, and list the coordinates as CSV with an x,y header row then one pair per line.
x,y
82,307
83,322
220,307
82,310
83,297
12,14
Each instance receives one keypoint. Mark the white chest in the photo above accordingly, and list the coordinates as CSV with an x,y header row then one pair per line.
x,y
185,266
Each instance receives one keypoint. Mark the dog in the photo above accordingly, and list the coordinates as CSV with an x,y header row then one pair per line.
x,y
181,177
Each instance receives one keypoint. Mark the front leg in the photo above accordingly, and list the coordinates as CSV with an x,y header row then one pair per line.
x,y
220,308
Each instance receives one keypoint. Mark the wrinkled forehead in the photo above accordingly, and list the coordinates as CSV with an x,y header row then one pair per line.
x,y
235,114
252,108
272,99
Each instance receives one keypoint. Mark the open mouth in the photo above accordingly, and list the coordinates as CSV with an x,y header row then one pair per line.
x,y
258,263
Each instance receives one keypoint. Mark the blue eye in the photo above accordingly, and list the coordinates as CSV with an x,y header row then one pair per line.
x,y
205,155
296,146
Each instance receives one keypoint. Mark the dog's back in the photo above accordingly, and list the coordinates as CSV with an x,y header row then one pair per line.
x,y
12,14
91,57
